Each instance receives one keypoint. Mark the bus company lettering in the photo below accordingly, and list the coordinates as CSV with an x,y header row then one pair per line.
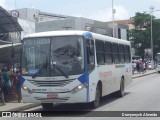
x,y
105,74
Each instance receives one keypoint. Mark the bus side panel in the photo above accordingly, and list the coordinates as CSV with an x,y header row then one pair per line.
x,y
128,75
104,75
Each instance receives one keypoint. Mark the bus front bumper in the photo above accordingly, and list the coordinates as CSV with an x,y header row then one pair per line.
x,y
68,97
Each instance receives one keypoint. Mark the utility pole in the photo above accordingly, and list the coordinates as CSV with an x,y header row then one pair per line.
x,y
152,62
15,4
113,11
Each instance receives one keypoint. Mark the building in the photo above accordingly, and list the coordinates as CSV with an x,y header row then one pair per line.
x,y
74,24
33,20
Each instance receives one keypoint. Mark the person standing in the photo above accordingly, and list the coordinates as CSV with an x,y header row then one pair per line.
x,y
18,86
6,84
10,74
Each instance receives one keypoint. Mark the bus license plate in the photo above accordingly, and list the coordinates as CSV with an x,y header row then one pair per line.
x,y
52,96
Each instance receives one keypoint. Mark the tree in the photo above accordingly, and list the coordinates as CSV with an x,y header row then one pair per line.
x,y
140,37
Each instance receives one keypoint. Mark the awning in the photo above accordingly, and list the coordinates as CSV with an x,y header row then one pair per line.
x,y
8,23
6,52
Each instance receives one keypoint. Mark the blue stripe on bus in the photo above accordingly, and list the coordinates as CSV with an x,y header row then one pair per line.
x,y
21,79
86,35
83,78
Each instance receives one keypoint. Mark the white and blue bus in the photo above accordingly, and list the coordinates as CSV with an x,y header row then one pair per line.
x,y
73,67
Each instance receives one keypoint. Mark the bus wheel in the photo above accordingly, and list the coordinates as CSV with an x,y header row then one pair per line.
x,y
120,93
47,106
96,102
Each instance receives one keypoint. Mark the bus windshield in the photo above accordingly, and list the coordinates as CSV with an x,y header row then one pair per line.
x,y
52,56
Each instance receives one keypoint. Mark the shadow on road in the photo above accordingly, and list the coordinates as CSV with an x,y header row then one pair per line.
x,y
110,98
80,109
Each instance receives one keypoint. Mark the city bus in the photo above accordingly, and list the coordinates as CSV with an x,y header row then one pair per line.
x,y
158,62
73,67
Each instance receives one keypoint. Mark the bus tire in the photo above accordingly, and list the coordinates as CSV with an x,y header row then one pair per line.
x,y
47,106
96,102
120,93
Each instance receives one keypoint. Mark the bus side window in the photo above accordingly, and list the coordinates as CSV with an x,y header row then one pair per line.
x,y
121,53
127,54
115,53
100,52
108,53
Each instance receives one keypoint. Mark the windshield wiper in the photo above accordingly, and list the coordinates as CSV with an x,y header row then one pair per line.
x,y
35,74
60,70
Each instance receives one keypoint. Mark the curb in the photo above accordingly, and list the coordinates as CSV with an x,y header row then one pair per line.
x,y
25,107
143,75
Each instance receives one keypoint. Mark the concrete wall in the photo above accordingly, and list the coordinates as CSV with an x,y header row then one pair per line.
x,y
27,26
102,28
55,25
74,24
84,24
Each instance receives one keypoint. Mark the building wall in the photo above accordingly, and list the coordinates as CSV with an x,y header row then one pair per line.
x,y
74,24
36,15
102,28
27,26
84,24
55,25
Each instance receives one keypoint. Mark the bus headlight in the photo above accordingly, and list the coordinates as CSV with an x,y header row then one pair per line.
x,y
26,89
78,88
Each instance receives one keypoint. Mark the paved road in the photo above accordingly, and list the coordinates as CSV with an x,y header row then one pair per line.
x,y
142,95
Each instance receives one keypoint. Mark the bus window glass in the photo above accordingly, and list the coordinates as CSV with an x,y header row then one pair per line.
x,y
100,52
67,54
121,53
127,54
108,53
115,53
35,56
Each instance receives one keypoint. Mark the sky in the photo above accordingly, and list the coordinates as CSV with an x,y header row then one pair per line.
x,y
93,9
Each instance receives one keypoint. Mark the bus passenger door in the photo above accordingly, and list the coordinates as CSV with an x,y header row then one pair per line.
x,y
92,72
90,55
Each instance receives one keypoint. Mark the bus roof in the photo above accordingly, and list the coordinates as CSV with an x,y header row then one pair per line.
x,y
77,32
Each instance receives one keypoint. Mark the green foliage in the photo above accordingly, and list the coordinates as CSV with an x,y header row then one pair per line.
x,y
140,37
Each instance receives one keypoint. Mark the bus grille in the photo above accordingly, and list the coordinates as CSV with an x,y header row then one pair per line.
x,y
58,100
59,83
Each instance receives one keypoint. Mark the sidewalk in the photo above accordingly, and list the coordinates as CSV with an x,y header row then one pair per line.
x,y
148,72
14,106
